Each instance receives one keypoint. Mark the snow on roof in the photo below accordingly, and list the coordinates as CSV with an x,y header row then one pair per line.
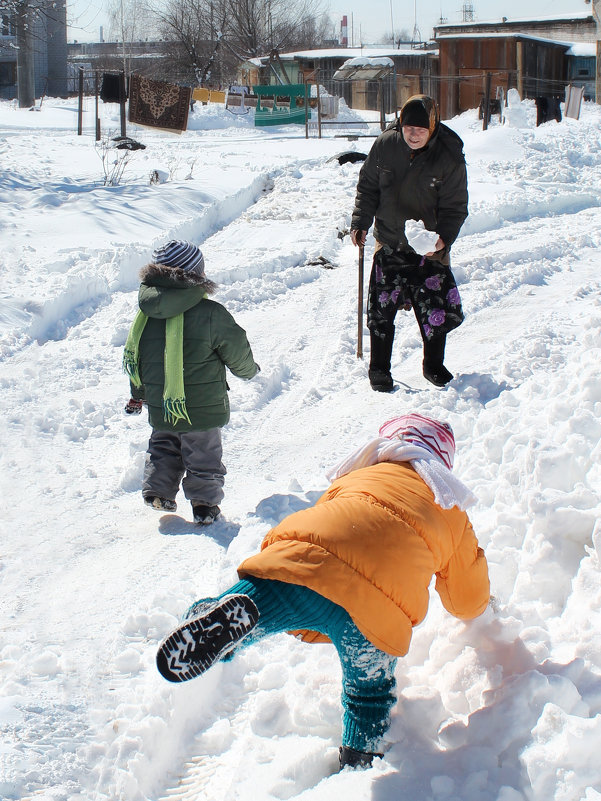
x,y
502,35
583,49
363,61
519,20
352,52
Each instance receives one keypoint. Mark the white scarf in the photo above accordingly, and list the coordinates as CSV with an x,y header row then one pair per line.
x,y
448,490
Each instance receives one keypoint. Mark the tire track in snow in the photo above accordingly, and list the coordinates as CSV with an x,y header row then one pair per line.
x,y
485,218
494,265
80,366
80,283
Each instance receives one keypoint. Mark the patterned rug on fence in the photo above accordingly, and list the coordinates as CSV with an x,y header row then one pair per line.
x,y
158,104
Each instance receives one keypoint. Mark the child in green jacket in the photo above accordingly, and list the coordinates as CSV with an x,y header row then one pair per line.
x,y
176,353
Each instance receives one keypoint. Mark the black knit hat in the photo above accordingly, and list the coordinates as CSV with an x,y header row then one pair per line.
x,y
415,115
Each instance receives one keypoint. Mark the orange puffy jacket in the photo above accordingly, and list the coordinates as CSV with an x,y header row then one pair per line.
x,y
371,544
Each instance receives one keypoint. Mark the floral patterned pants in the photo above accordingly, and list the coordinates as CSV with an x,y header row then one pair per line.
x,y
400,278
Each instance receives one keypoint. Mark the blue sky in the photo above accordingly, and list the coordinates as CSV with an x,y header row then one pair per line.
x,y
370,20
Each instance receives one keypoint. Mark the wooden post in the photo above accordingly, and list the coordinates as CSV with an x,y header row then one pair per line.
x,y
122,103
519,55
96,92
486,101
80,104
598,74
597,15
306,110
275,55
318,108
360,304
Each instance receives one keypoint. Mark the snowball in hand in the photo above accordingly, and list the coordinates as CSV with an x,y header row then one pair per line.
x,y
420,239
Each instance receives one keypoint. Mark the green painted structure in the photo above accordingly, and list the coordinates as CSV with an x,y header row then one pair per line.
x,y
281,104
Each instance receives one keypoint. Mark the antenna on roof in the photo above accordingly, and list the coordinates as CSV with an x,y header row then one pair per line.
x,y
416,36
468,12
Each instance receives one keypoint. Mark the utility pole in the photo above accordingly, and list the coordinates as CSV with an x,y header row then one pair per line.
x,y
597,16
25,71
123,37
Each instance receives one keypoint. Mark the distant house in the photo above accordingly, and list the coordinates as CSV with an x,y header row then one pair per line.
x,y
49,47
415,70
535,67
582,61
576,27
539,57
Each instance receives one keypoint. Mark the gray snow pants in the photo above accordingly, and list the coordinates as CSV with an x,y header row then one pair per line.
x,y
194,456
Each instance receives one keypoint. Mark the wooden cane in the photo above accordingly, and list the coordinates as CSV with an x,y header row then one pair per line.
x,y
360,306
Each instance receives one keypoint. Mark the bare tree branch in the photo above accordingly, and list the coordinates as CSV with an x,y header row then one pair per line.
x,y
207,39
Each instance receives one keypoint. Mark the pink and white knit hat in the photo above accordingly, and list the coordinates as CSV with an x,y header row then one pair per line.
x,y
436,437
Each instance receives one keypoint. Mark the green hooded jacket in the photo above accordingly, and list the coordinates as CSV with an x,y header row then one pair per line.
x,y
212,341
398,184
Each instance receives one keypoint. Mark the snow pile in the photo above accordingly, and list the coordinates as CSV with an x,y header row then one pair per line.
x,y
374,61
505,708
515,114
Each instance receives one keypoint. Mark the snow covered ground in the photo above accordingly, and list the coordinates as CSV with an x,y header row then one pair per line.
x,y
505,708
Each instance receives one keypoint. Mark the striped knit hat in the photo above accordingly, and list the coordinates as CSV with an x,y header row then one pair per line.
x,y
184,255
436,437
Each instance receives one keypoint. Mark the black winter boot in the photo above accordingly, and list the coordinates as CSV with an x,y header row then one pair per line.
x,y
201,641
205,515
379,362
380,380
433,368
162,504
350,758
439,376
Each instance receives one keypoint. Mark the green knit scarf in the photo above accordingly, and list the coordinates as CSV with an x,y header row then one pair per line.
x,y
174,397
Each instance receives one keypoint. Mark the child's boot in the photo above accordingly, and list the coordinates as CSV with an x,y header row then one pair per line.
x,y
351,758
205,515
161,504
201,641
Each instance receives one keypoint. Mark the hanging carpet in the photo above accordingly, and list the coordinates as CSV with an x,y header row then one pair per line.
x,y
157,104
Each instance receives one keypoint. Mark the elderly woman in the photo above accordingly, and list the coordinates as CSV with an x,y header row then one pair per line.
x,y
415,170
354,570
